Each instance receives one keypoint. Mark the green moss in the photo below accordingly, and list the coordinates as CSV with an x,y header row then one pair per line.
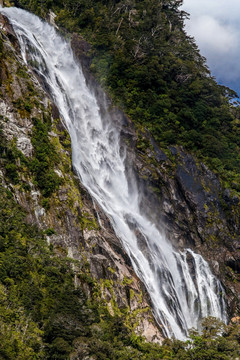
x,y
35,283
23,106
108,284
126,281
22,73
50,232
113,271
88,222
206,207
46,203
132,294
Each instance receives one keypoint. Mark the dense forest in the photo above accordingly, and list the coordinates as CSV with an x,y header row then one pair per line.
x,y
142,56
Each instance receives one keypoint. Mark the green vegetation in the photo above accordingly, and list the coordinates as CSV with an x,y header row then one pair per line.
x,y
42,164
50,232
142,55
1,56
33,285
9,153
45,157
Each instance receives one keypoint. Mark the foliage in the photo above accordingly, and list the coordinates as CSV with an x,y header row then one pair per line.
x,y
30,281
1,55
9,153
50,232
42,164
45,157
1,46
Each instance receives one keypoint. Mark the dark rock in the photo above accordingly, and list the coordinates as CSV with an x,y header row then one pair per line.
x,y
235,200
9,31
227,195
173,150
191,187
234,262
81,48
55,113
159,154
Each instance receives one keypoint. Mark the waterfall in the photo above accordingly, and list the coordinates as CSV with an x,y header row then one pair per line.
x,y
181,285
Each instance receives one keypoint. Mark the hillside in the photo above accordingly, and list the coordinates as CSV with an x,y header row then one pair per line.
x,y
185,125
68,288
142,56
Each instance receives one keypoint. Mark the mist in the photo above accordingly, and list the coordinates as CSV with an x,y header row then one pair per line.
x,y
215,26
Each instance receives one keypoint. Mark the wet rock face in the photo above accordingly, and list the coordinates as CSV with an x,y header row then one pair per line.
x,y
81,49
197,212
5,24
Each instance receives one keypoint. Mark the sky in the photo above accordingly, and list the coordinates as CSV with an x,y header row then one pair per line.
x,y
215,25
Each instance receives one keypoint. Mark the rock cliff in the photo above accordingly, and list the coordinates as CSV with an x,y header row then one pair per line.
x,y
184,196
73,223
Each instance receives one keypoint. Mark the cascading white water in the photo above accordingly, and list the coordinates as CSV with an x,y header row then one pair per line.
x,y
180,284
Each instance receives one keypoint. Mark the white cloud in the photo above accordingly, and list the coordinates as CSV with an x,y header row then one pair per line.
x,y
212,35
215,26
220,9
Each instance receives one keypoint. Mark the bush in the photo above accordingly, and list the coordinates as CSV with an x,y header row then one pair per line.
x,y
45,158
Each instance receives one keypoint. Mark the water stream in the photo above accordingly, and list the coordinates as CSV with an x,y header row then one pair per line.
x,y
181,285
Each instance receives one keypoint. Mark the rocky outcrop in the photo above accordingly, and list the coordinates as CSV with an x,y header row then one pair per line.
x,y
196,212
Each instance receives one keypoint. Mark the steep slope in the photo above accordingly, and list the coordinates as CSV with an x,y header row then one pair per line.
x,y
61,271
180,297
194,206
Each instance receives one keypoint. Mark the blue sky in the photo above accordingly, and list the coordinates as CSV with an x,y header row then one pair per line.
x,y
215,25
